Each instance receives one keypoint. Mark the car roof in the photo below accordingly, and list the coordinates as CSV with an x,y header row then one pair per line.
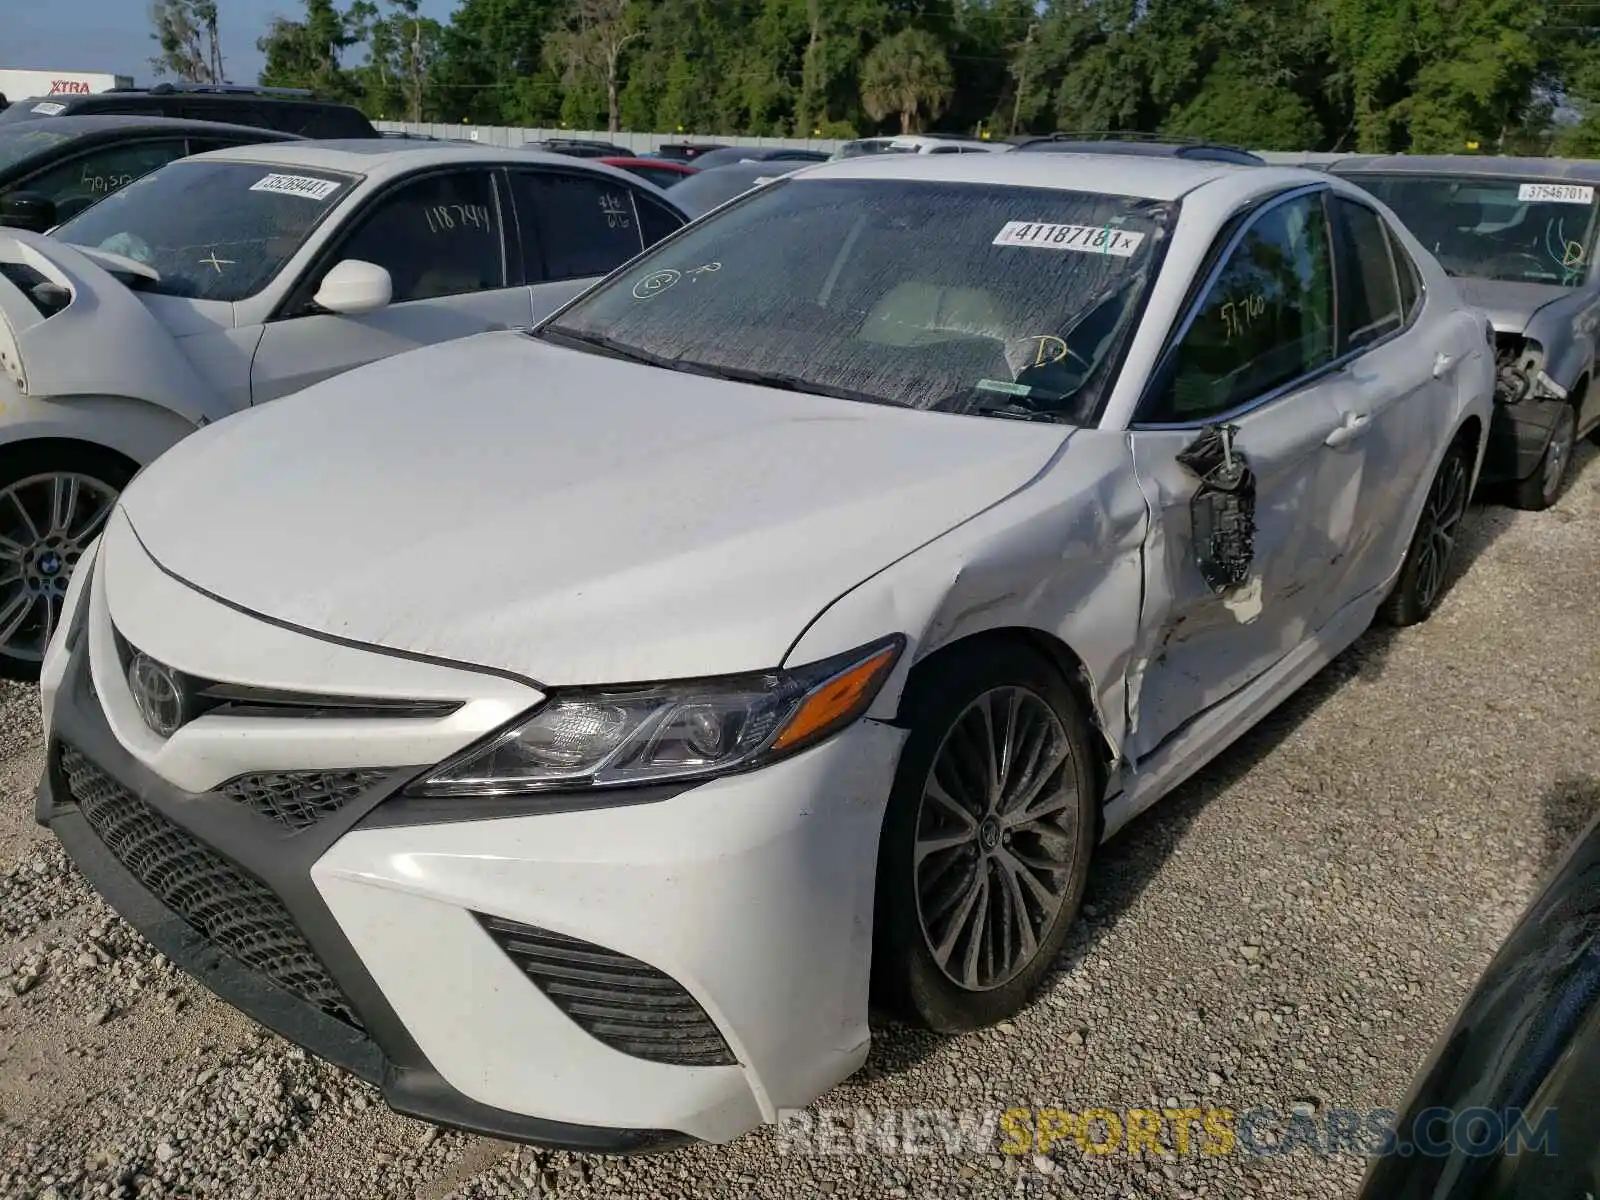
x,y
659,164
80,124
1485,165
1146,176
380,158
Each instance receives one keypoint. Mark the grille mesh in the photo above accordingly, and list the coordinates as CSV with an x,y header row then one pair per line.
x,y
299,799
237,913
620,1001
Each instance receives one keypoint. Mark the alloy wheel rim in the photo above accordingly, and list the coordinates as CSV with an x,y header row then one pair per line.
x,y
45,522
1555,457
997,836
1441,520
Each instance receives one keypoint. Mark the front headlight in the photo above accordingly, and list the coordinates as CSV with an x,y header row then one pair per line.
x,y
611,737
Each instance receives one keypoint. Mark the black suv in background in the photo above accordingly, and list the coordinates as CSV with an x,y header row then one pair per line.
x,y
288,110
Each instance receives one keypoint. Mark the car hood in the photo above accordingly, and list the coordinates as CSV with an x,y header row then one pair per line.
x,y
566,516
106,342
1509,306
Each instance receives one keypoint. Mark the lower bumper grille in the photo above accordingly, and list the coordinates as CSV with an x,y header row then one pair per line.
x,y
299,799
237,913
620,1001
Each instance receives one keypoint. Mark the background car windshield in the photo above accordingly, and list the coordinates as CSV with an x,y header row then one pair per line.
x,y
248,221
930,295
1523,230
25,141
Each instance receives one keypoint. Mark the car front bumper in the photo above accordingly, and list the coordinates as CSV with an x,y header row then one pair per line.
x,y
365,937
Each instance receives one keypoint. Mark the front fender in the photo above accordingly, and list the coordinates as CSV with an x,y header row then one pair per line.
x,y
1061,557
135,429
1568,341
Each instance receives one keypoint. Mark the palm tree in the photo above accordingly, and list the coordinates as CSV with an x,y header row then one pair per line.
x,y
907,74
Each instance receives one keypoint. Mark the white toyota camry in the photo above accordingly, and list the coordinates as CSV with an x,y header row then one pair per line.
x,y
571,731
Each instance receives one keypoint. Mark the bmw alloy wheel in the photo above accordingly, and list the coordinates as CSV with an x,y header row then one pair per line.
x,y
46,521
996,838
1441,524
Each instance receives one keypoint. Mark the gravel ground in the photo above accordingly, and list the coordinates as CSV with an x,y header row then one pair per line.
x,y
1293,928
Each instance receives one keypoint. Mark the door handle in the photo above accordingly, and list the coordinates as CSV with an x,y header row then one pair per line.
x,y
1442,364
1354,426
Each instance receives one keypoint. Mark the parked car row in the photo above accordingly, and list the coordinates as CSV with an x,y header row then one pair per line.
x,y
627,647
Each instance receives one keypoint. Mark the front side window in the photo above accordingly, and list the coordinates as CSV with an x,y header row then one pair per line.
x,y
252,221
436,236
1265,321
26,140
958,297
76,184
1519,230
584,225
1373,308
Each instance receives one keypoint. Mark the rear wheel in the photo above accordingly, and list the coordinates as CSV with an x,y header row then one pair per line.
x,y
1433,544
1543,488
54,500
987,841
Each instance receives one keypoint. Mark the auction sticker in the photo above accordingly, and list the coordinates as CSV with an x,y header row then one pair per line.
x,y
1086,239
50,108
1560,193
308,186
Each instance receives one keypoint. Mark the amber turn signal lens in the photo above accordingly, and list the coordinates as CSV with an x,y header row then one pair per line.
x,y
837,700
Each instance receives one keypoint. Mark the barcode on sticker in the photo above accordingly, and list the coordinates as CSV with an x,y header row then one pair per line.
x,y
308,186
1560,193
1087,239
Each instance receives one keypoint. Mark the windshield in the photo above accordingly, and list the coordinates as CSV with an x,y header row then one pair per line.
x,y
229,247
1524,231
957,297
25,140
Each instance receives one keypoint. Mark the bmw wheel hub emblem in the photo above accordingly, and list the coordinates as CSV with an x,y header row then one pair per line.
x,y
158,694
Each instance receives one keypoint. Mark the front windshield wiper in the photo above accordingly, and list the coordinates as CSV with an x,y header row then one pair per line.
x,y
1017,412
790,383
610,345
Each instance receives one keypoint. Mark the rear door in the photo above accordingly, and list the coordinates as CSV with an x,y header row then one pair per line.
x,y
578,226
1394,392
1230,448
441,237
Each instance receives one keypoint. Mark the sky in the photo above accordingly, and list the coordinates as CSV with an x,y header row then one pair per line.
x,y
114,35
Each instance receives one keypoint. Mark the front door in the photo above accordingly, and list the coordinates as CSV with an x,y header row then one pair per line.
x,y
1230,446
441,238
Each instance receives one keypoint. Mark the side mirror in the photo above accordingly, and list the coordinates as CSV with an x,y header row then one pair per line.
x,y
353,287
28,210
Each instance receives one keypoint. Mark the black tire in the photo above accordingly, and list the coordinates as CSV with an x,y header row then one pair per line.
x,y
21,649
1423,582
908,982
1543,488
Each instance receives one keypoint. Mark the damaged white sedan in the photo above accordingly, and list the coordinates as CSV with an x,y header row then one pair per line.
x,y
570,732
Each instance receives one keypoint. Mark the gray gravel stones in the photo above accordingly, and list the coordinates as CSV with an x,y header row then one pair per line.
x,y
1292,929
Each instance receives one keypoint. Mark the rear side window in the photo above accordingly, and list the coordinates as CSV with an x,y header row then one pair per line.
x,y
655,221
79,182
583,225
1410,277
1369,283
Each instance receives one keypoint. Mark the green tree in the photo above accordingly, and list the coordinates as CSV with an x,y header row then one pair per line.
x,y
907,75
589,50
186,32
307,53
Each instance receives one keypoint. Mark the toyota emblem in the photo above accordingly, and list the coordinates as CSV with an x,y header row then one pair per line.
x,y
158,693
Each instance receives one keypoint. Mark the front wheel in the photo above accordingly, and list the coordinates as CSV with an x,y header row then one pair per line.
x,y
1433,544
987,841
53,502
1543,488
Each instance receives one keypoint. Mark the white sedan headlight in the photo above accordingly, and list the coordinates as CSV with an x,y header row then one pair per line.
x,y
613,736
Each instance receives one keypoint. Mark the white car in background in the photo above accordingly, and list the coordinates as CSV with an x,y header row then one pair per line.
x,y
919,143
235,277
570,730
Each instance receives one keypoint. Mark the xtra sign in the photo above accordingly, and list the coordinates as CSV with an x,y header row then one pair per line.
x,y
72,87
